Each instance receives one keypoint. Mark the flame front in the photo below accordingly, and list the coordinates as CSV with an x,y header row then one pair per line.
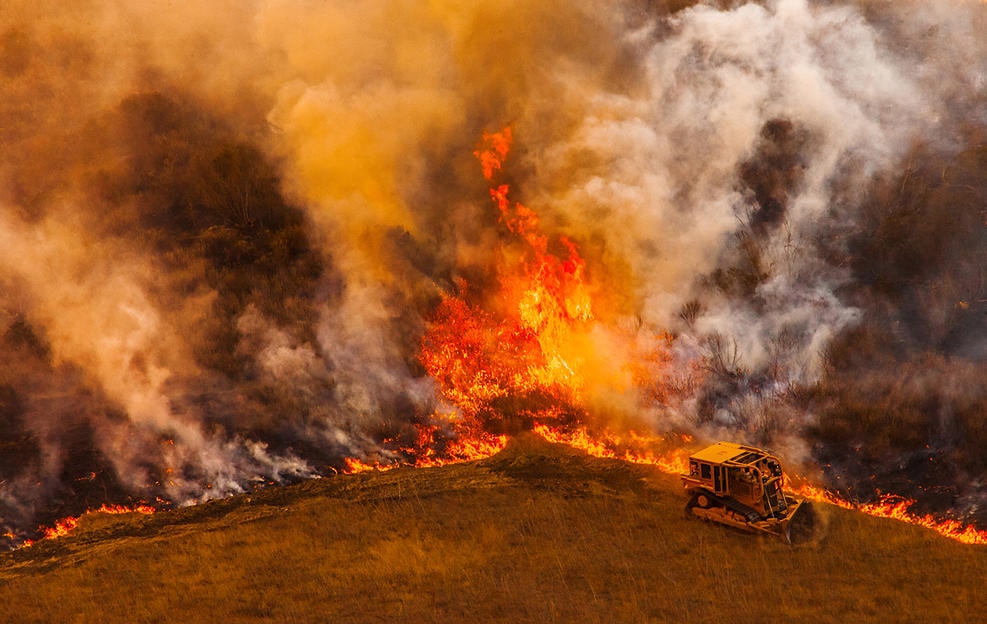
x,y
538,351
634,447
537,348
897,508
63,527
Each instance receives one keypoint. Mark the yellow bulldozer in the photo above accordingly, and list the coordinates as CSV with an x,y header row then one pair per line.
x,y
741,486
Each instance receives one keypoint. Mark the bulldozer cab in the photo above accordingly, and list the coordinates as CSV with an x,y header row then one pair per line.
x,y
746,474
741,486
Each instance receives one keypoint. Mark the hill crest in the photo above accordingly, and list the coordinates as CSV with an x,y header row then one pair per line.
x,y
538,532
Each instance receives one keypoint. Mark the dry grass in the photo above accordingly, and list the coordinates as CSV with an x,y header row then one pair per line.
x,y
538,533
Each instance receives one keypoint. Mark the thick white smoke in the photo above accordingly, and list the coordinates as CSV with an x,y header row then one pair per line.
x,y
657,170
664,161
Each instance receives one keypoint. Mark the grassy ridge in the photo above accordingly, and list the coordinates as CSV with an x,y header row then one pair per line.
x,y
536,533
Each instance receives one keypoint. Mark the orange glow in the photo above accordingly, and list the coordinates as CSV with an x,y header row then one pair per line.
x,y
496,146
897,508
63,527
427,452
538,346
819,495
355,466
468,445
633,447
543,349
125,509
540,349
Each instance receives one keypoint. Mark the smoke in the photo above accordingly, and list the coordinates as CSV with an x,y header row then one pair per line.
x,y
224,228
717,88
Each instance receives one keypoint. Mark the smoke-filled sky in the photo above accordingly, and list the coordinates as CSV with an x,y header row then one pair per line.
x,y
226,226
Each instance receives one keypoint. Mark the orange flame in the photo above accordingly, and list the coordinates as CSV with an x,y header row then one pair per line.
x,y
537,348
469,445
126,509
492,156
65,526
635,447
676,461
537,345
356,466
480,445
62,528
897,508
531,352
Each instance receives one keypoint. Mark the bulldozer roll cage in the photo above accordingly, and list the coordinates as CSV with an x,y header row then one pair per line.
x,y
742,486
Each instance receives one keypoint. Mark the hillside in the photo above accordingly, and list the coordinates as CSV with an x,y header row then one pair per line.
x,y
536,533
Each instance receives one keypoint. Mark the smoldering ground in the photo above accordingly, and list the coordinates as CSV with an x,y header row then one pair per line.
x,y
225,227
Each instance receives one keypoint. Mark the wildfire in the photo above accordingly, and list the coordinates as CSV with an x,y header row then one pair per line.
x,y
125,509
639,449
819,495
467,448
538,350
519,348
533,351
63,527
356,466
433,448
897,508
538,347
634,447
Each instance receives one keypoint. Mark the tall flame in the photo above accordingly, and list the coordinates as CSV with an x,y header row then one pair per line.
x,y
537,348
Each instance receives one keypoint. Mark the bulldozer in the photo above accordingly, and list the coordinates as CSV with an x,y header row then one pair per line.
x,y
741,486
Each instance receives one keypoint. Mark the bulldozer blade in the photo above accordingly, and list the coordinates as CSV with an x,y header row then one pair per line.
x,y
800,525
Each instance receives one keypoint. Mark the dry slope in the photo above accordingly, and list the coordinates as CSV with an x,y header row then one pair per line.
x,y
536,533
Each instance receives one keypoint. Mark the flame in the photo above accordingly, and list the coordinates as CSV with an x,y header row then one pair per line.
x,y
633,447
433,449
480,445
525,347
897,508
141,508
817,494
535,352
356,466
638,449
539,347
66,525
62,528
491,157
